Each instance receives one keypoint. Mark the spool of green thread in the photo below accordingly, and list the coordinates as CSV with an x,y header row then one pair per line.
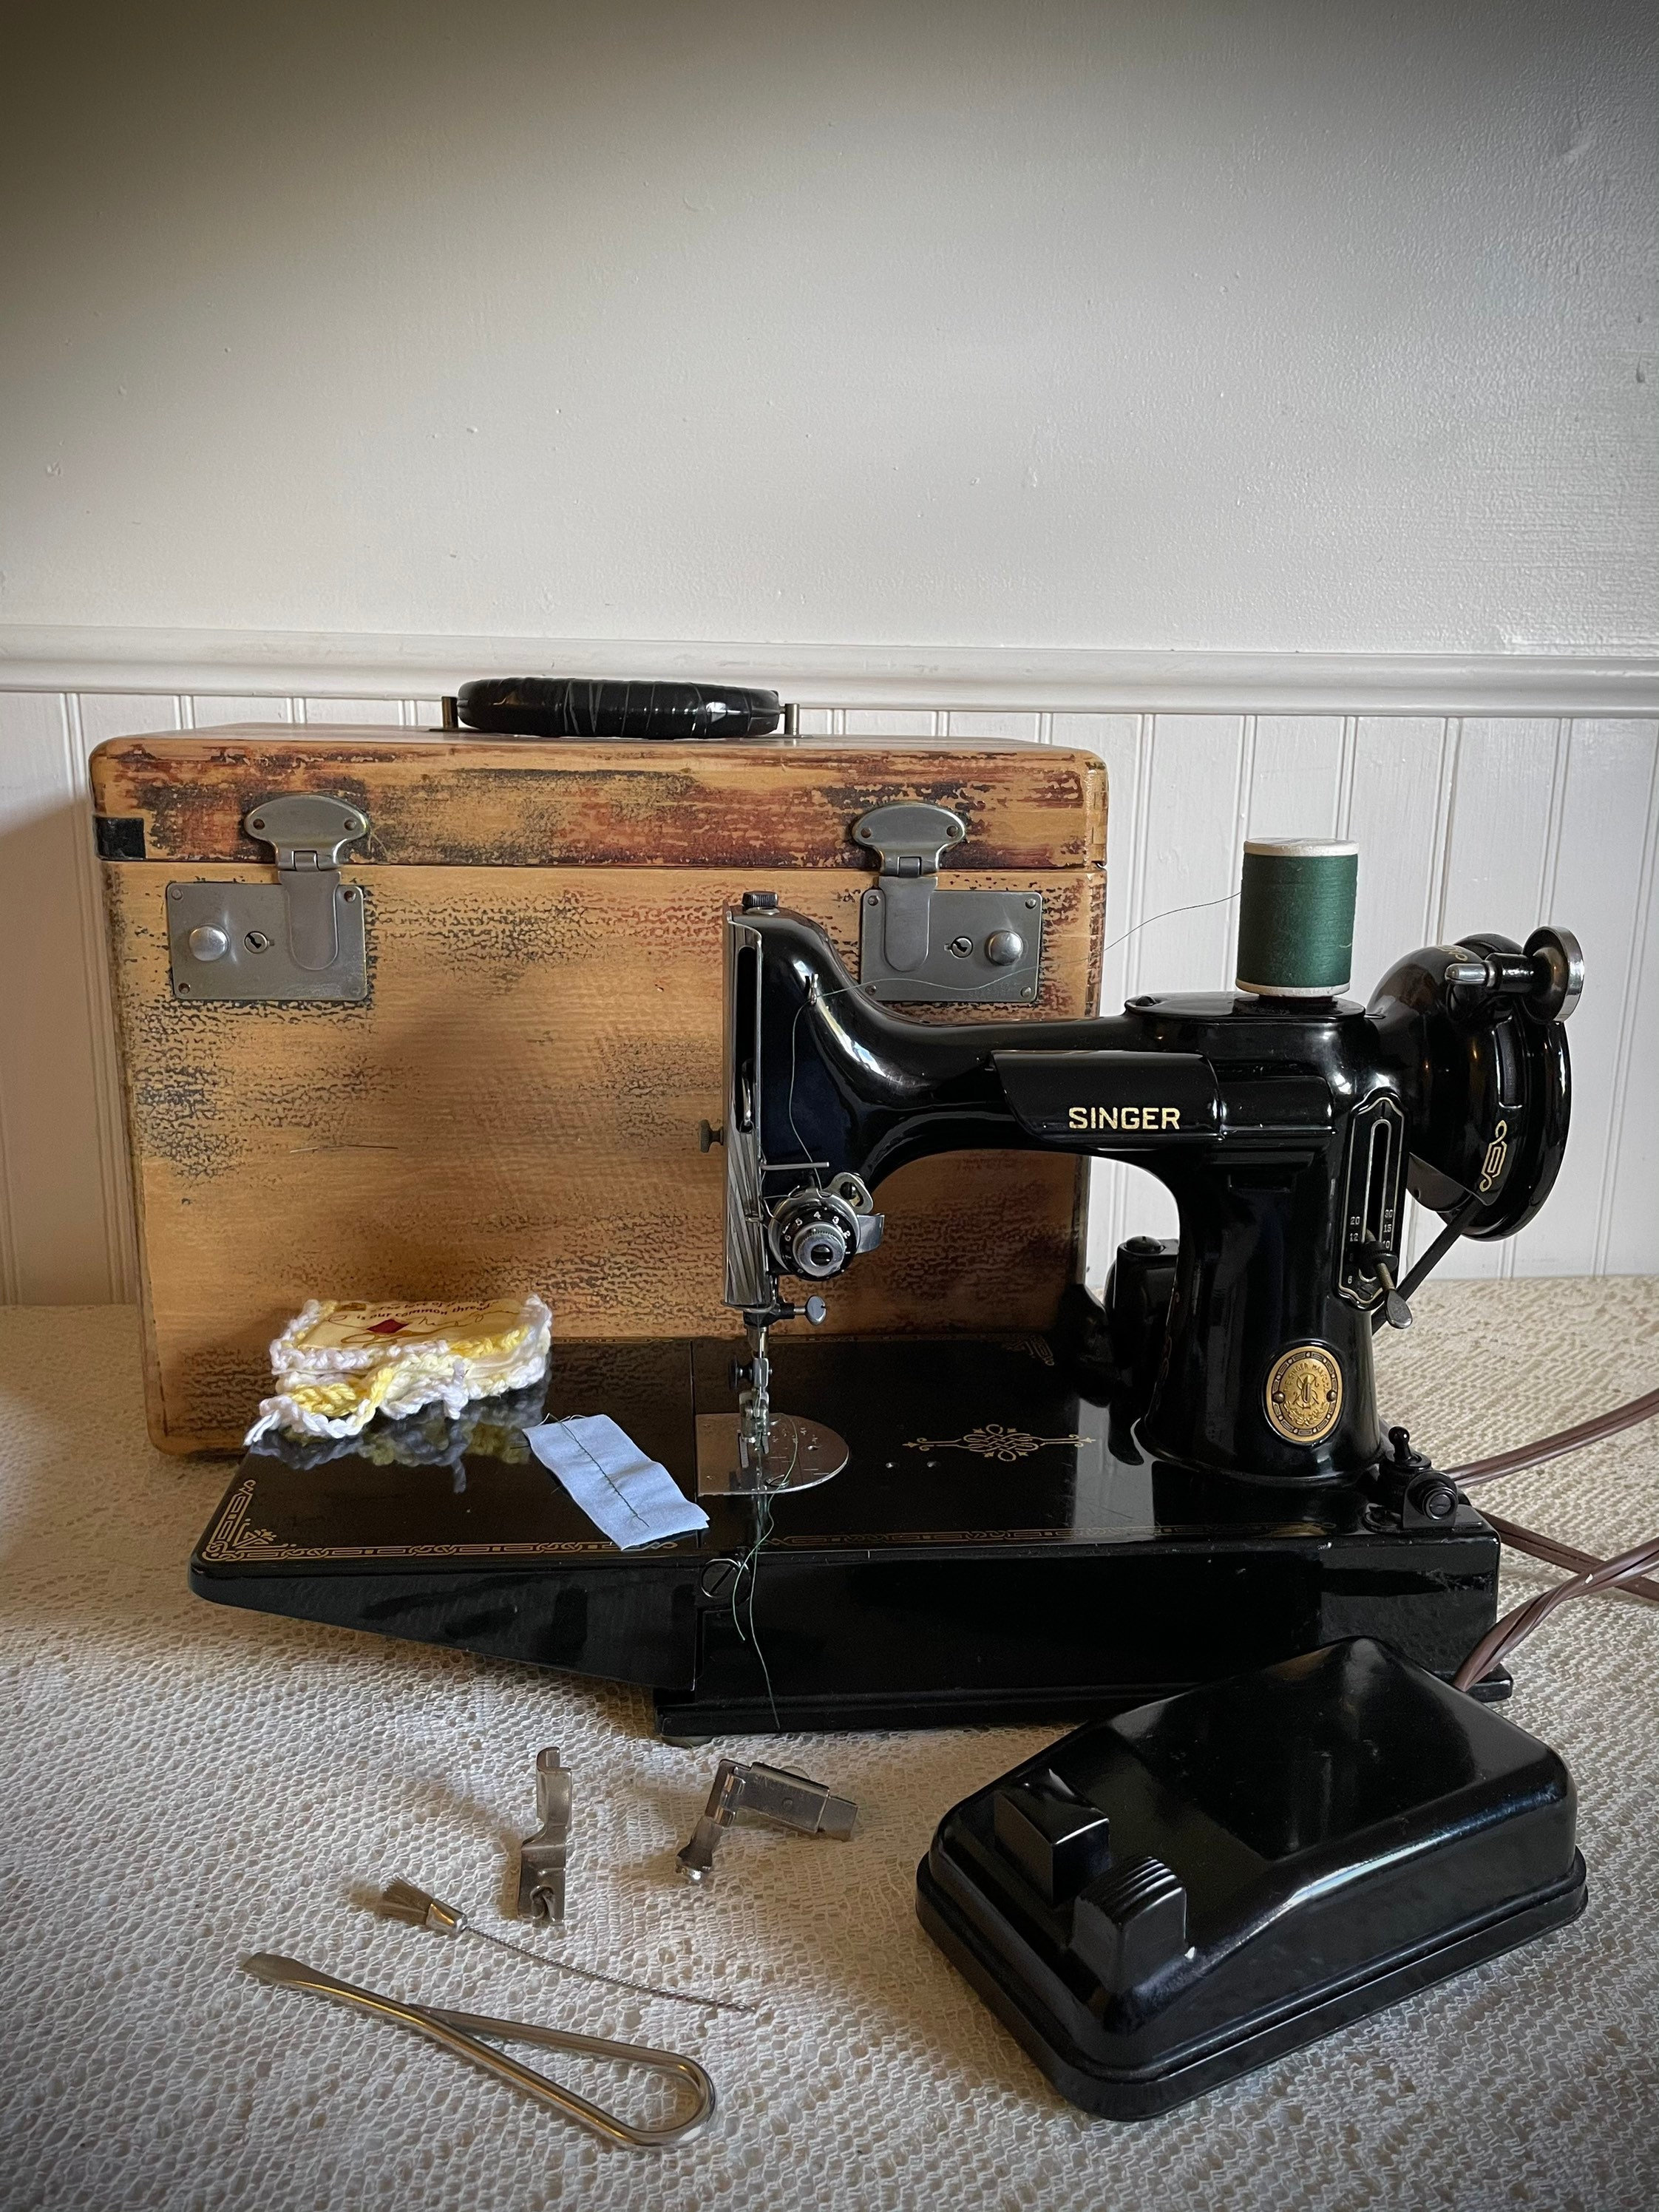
x,y
1296,917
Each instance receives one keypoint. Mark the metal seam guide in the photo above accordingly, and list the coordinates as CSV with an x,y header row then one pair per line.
x,y
769,1793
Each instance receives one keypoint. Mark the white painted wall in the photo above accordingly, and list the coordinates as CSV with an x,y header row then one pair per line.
x,y
1299,324
1262,391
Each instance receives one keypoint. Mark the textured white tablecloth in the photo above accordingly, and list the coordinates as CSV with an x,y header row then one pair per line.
x,y
180,1785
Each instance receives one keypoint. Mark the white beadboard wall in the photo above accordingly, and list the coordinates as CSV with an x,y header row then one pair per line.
x,y
1465,821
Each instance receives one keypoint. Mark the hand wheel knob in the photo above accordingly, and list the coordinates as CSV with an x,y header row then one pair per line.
x,y
1559,963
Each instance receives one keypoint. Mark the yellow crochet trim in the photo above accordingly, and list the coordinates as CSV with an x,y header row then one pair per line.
x,y
343,1360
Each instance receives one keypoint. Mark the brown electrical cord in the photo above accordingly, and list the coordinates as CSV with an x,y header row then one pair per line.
x,y
1564,1440
1594,1575
1502,1638
1558,1554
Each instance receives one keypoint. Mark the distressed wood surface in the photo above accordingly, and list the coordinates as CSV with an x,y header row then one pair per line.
x,y
484,801
515,1108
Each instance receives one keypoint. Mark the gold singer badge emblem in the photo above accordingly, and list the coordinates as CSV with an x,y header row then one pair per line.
x,y
1304,1394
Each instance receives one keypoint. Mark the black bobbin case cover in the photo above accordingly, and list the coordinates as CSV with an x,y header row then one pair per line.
x,y
1164,1900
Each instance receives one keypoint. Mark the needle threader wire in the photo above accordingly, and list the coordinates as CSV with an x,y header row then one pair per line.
x,y
401,1900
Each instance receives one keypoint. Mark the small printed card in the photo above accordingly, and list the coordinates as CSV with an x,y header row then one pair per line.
x,y
634,1499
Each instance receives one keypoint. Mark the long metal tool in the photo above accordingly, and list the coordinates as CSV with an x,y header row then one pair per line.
x,y
401,1900
459,2032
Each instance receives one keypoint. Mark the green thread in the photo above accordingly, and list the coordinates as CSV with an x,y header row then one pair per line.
x,y
1296,920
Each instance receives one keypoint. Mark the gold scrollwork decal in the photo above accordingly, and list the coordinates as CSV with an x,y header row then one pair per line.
x,y
992,1441
232,1538
1496,1153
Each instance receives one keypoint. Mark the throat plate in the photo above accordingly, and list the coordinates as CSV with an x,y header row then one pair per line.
x,y
801,1455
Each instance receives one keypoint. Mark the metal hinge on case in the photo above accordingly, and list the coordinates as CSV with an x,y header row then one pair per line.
x,y
922,943
300,938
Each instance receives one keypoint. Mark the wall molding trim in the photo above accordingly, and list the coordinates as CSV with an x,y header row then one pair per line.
x,y
1077,680
1480,816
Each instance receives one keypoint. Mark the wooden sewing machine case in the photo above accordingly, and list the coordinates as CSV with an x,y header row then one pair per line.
x,y
496,1087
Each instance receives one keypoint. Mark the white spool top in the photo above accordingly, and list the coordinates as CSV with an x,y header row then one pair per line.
x,y
1301,848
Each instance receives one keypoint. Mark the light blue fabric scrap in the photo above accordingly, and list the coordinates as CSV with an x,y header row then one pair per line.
x,y
634,1499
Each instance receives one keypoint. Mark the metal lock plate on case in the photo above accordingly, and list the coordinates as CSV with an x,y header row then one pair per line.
x,y
924,943
302,937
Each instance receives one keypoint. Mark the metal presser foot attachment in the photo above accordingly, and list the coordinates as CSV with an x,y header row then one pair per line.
x,y
543,1857
756,1450
770,1793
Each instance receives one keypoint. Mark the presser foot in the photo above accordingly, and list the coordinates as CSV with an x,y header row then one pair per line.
x,y
794,1455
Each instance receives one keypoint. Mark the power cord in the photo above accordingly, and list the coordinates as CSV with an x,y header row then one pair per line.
x,y
1501,1639
1593,1577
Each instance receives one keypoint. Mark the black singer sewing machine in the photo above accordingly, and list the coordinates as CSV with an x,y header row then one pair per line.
x,y
1185,1479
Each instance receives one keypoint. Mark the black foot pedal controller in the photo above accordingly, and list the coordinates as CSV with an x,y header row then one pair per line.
x,y
1168,1899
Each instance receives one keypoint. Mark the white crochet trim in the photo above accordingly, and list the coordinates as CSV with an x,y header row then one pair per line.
x,y
466,1380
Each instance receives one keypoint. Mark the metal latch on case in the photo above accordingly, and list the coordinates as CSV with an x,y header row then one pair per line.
x,y
300,938
920,942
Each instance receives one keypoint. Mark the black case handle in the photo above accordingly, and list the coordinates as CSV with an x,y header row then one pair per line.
x,y
587,707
